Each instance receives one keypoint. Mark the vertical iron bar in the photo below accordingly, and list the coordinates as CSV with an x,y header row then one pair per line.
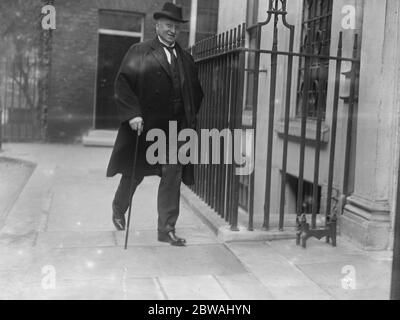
x,y
199,121
219,127
334,126
229,126
13,84
205,119
196,187
210,118
238,120
235,113
254,126
286,130
211,111
214,120
352,119
274,65
303,128
321,98
28,114
232,116
221,182
240,72
226,119
204,112
4,105
34,85
19,100
11,125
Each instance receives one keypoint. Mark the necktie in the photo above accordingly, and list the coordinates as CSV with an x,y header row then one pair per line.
x,y
173,58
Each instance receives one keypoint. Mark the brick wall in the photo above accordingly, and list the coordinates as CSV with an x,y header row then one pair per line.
x,y
74,63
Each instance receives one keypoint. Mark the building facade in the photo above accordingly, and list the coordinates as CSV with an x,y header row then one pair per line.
x,y
367,134
87,48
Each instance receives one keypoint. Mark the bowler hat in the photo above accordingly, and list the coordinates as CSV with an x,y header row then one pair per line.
x,y
170,11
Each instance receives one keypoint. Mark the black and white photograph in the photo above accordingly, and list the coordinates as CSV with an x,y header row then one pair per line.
x,y
218,151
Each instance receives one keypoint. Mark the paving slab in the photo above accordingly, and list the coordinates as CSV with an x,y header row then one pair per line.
x,y
14,240
148,261
202,287
283,279
97,289
13,177
335,278
197,260
81,204
193,236
15,258
316,251
244,287
11,284
95,263
32,204
75,239
62,221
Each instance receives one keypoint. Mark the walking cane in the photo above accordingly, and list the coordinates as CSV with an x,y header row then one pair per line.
x,y
130,191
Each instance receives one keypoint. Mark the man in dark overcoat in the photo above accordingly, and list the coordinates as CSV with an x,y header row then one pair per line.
x,y
157,83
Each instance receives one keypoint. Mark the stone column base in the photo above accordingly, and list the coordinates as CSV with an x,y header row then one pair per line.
x,y
366,223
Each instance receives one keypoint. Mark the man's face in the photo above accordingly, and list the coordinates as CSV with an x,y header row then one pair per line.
x,y
168,30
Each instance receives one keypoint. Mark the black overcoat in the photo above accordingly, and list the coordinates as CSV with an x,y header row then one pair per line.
x,y
143,87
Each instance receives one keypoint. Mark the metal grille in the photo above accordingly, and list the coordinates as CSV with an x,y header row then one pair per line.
x,y
221,63
316,30
222,71
20,114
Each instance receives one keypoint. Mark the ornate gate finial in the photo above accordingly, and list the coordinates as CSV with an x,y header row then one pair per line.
x,y
277,7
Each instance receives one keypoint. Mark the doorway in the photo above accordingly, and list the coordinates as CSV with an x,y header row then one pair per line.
x,y
112,49
118,31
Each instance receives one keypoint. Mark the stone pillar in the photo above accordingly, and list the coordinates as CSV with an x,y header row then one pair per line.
x,y
367,213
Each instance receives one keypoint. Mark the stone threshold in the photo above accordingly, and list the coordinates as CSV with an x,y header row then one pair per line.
x,y
222,229
100,138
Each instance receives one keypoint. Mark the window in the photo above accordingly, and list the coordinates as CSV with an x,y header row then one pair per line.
x,y
316,24
185,31
207,19
306,198
120,20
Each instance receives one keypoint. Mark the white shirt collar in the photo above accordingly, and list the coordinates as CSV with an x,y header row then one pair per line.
x,y
164,43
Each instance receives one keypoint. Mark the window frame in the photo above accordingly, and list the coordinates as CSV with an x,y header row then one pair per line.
x,y
320,45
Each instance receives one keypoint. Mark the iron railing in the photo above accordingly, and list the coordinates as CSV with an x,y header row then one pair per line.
x,y
20,98
221,60
221,64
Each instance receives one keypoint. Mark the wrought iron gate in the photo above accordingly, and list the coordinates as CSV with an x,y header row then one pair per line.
x,y
222,67
20,98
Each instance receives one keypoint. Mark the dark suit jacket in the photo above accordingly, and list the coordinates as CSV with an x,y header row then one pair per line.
x,y
142,89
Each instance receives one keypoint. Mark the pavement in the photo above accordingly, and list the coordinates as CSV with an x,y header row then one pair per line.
x,y
57,241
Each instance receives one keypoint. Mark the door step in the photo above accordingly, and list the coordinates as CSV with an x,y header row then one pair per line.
x,y
100,138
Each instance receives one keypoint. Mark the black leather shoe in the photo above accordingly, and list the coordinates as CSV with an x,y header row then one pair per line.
x,y
172,239
119,221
